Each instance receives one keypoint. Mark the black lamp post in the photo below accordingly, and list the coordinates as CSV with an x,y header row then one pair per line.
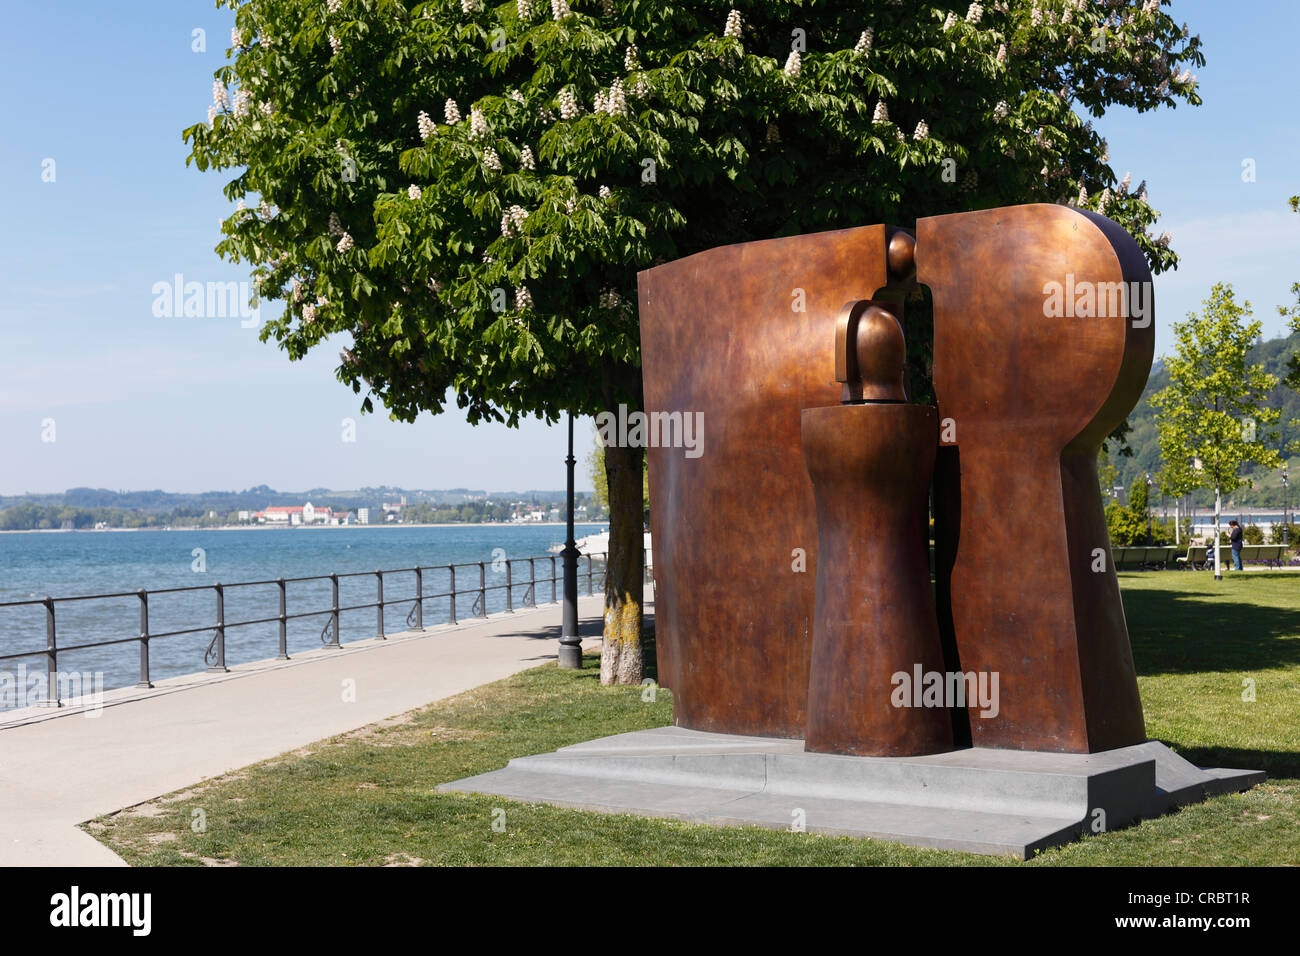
x,y
570,642
1149,508
1286,510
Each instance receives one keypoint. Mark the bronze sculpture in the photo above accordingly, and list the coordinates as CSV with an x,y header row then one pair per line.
x,y
1018,522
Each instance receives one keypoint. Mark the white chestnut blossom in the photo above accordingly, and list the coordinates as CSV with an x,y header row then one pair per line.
x,y
524,9
219,97
922,131
629,58
605,192
793,64
949,23
1002,55
468,6
345,243
266,108
451,112
1083,195
335,227
523,299
570,205
865,41
881,115
560,9
614,102
491,161
975,13
334,5
568,104
212,115
1001,111
336,45
732,29
308,314
413,192
526,158
610,299
425,125
478,128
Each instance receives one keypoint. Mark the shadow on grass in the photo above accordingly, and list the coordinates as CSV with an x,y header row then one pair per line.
x,y
1275,763
1197,631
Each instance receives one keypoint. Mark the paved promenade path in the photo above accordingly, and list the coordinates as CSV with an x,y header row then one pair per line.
x,y
59,768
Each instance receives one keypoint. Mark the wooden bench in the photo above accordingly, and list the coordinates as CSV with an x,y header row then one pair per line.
x,y
1268,554
1142,559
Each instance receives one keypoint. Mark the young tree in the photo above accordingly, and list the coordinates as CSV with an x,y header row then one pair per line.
x,y
1211,417
1292,315
463,192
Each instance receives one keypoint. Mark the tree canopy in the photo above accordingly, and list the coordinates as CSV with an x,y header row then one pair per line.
x,y
467,190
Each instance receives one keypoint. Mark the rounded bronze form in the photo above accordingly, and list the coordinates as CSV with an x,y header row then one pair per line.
x,y
901,255
881,354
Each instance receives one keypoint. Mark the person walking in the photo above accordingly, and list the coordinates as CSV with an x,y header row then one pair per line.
x,y
1234,538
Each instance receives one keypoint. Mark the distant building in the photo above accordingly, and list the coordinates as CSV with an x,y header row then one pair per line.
x,y
244,516
363,516
307,514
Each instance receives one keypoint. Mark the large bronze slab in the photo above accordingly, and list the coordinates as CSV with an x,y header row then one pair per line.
x,y
720,334
1025,581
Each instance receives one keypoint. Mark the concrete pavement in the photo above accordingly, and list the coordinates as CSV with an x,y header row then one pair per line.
x,y
59,768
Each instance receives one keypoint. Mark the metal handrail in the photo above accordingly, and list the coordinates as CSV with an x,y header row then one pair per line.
x,y
215,654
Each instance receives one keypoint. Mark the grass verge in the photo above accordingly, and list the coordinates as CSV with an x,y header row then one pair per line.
x,y
366,798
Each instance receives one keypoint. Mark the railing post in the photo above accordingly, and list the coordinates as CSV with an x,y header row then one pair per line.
x,y
334,611
589,591
284,621
532,581
219,665
51,658
144,639
419,599
482,590
552,579
379,576
510,603
451,569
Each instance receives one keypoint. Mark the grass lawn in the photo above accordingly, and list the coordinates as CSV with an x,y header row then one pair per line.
x,y
366,798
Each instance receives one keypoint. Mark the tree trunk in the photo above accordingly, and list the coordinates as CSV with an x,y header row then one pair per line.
x,y
620,656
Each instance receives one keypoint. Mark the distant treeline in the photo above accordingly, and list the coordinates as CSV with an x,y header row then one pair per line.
x,y
30,516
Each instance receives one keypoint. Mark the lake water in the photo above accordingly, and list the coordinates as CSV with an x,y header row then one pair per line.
x,y
67,564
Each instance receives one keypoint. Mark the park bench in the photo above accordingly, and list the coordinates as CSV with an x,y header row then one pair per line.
x,y
1270,554
1142,559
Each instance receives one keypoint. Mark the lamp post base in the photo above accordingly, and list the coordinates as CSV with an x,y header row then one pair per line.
x,y
571,656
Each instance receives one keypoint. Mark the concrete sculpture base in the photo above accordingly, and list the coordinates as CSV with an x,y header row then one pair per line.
x,y
975,800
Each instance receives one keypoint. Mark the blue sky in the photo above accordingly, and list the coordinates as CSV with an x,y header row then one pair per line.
x,y
197,404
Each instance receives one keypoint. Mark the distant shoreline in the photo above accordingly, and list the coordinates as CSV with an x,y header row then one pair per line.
x,y
317,527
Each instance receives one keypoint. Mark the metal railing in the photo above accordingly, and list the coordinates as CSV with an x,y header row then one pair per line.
x,y
330,637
